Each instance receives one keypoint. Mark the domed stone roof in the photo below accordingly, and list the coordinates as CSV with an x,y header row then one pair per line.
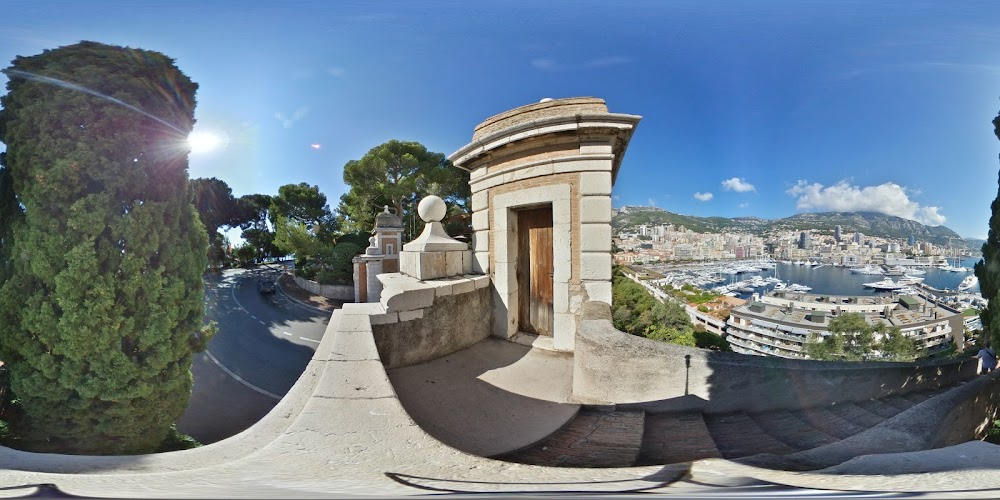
x,y
387,220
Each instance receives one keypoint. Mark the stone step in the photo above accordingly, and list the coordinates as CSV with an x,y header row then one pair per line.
x,y
856,414
594,438
899,402
676,437
737,435
791,430
915,397
828,422
879,408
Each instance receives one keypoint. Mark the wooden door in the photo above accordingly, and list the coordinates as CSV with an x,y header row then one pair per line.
x,y
534,270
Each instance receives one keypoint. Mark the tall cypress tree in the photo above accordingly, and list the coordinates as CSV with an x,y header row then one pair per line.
x,y
988,268
102,311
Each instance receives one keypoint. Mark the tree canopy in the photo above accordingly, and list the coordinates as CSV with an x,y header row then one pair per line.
x,y
852,338
101,312
636,312
216,206
399,174
988,268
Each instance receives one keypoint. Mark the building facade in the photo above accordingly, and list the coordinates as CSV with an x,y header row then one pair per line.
x,y
781,325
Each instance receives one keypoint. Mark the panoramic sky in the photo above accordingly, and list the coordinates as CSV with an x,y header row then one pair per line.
x,y
762,108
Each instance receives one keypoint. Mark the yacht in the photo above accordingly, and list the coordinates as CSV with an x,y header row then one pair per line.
x,y
886,284
907,279
869,269
967,283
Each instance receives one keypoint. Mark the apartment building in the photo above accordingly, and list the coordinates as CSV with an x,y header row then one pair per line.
x,y
780,325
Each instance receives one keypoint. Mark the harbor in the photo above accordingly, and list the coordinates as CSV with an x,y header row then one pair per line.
x,y
953,283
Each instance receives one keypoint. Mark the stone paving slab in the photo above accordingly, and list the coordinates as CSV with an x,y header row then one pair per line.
x,y
676,437
856,414
737,435
491,398
594,438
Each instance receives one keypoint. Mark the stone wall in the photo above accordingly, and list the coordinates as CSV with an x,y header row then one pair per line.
x,y
424,320
339,292
614,367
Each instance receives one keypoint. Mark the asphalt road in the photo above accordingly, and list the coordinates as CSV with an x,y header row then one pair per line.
x,y
263,345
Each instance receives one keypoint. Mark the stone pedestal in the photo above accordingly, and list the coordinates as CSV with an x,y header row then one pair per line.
x,y
434,254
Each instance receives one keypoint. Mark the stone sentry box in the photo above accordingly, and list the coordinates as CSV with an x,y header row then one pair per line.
x,y
562,154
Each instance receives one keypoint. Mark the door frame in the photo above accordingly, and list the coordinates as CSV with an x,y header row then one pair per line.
x,y
525,273
504,250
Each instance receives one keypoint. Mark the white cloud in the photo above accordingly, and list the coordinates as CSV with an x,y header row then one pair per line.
x,y
888,198
744,205
549,64
604,62
288,121
703,196
737,184
652,202
336,71
543,63
616,197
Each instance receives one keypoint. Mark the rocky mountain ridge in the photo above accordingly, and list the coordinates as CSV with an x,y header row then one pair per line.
x,y
868,223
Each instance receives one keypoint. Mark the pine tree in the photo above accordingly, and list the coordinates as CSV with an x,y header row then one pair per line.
x,y
988,268
102,312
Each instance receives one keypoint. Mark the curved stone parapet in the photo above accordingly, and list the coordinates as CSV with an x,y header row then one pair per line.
x,y
340,431
615,367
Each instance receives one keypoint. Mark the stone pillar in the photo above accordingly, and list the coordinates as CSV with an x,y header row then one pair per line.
x,y
381,256
360,280
434,254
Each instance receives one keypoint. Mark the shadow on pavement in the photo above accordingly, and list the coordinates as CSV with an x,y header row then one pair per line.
x,y
493,397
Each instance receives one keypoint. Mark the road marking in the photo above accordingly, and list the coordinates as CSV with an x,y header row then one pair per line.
x,y
261,322
310,340
254,317
286,333
240,379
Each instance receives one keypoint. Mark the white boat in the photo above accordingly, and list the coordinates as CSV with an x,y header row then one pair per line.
x,y
780,285
795,287
967,283
906,279
895,271
913,271
886,284
869,269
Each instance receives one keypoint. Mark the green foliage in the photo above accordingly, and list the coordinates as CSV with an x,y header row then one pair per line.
x,y
988,268
255,216
105,286
306,205
852,338
338,265
399,174
246,254
635,311
216,206
708,340
176,441
292,237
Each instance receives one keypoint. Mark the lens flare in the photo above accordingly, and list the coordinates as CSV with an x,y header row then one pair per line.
x,y
204,141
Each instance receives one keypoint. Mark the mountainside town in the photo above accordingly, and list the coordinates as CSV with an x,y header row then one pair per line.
x,y
647,243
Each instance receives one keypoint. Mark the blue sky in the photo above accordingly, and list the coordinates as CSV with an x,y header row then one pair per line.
x,y
764,108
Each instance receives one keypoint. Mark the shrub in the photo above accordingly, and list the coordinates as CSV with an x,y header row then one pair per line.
x,y
176,441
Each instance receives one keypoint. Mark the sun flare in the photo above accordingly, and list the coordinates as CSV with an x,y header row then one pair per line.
x,y
204,142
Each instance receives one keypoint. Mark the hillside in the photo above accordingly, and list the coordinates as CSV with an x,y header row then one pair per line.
x,y
869,223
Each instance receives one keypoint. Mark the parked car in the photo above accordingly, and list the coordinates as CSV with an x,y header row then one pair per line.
x,y
266,285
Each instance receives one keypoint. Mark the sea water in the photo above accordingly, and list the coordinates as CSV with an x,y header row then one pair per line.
x,y
832,280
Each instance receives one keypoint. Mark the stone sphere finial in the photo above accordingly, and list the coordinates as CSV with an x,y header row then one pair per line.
x,y
432,209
